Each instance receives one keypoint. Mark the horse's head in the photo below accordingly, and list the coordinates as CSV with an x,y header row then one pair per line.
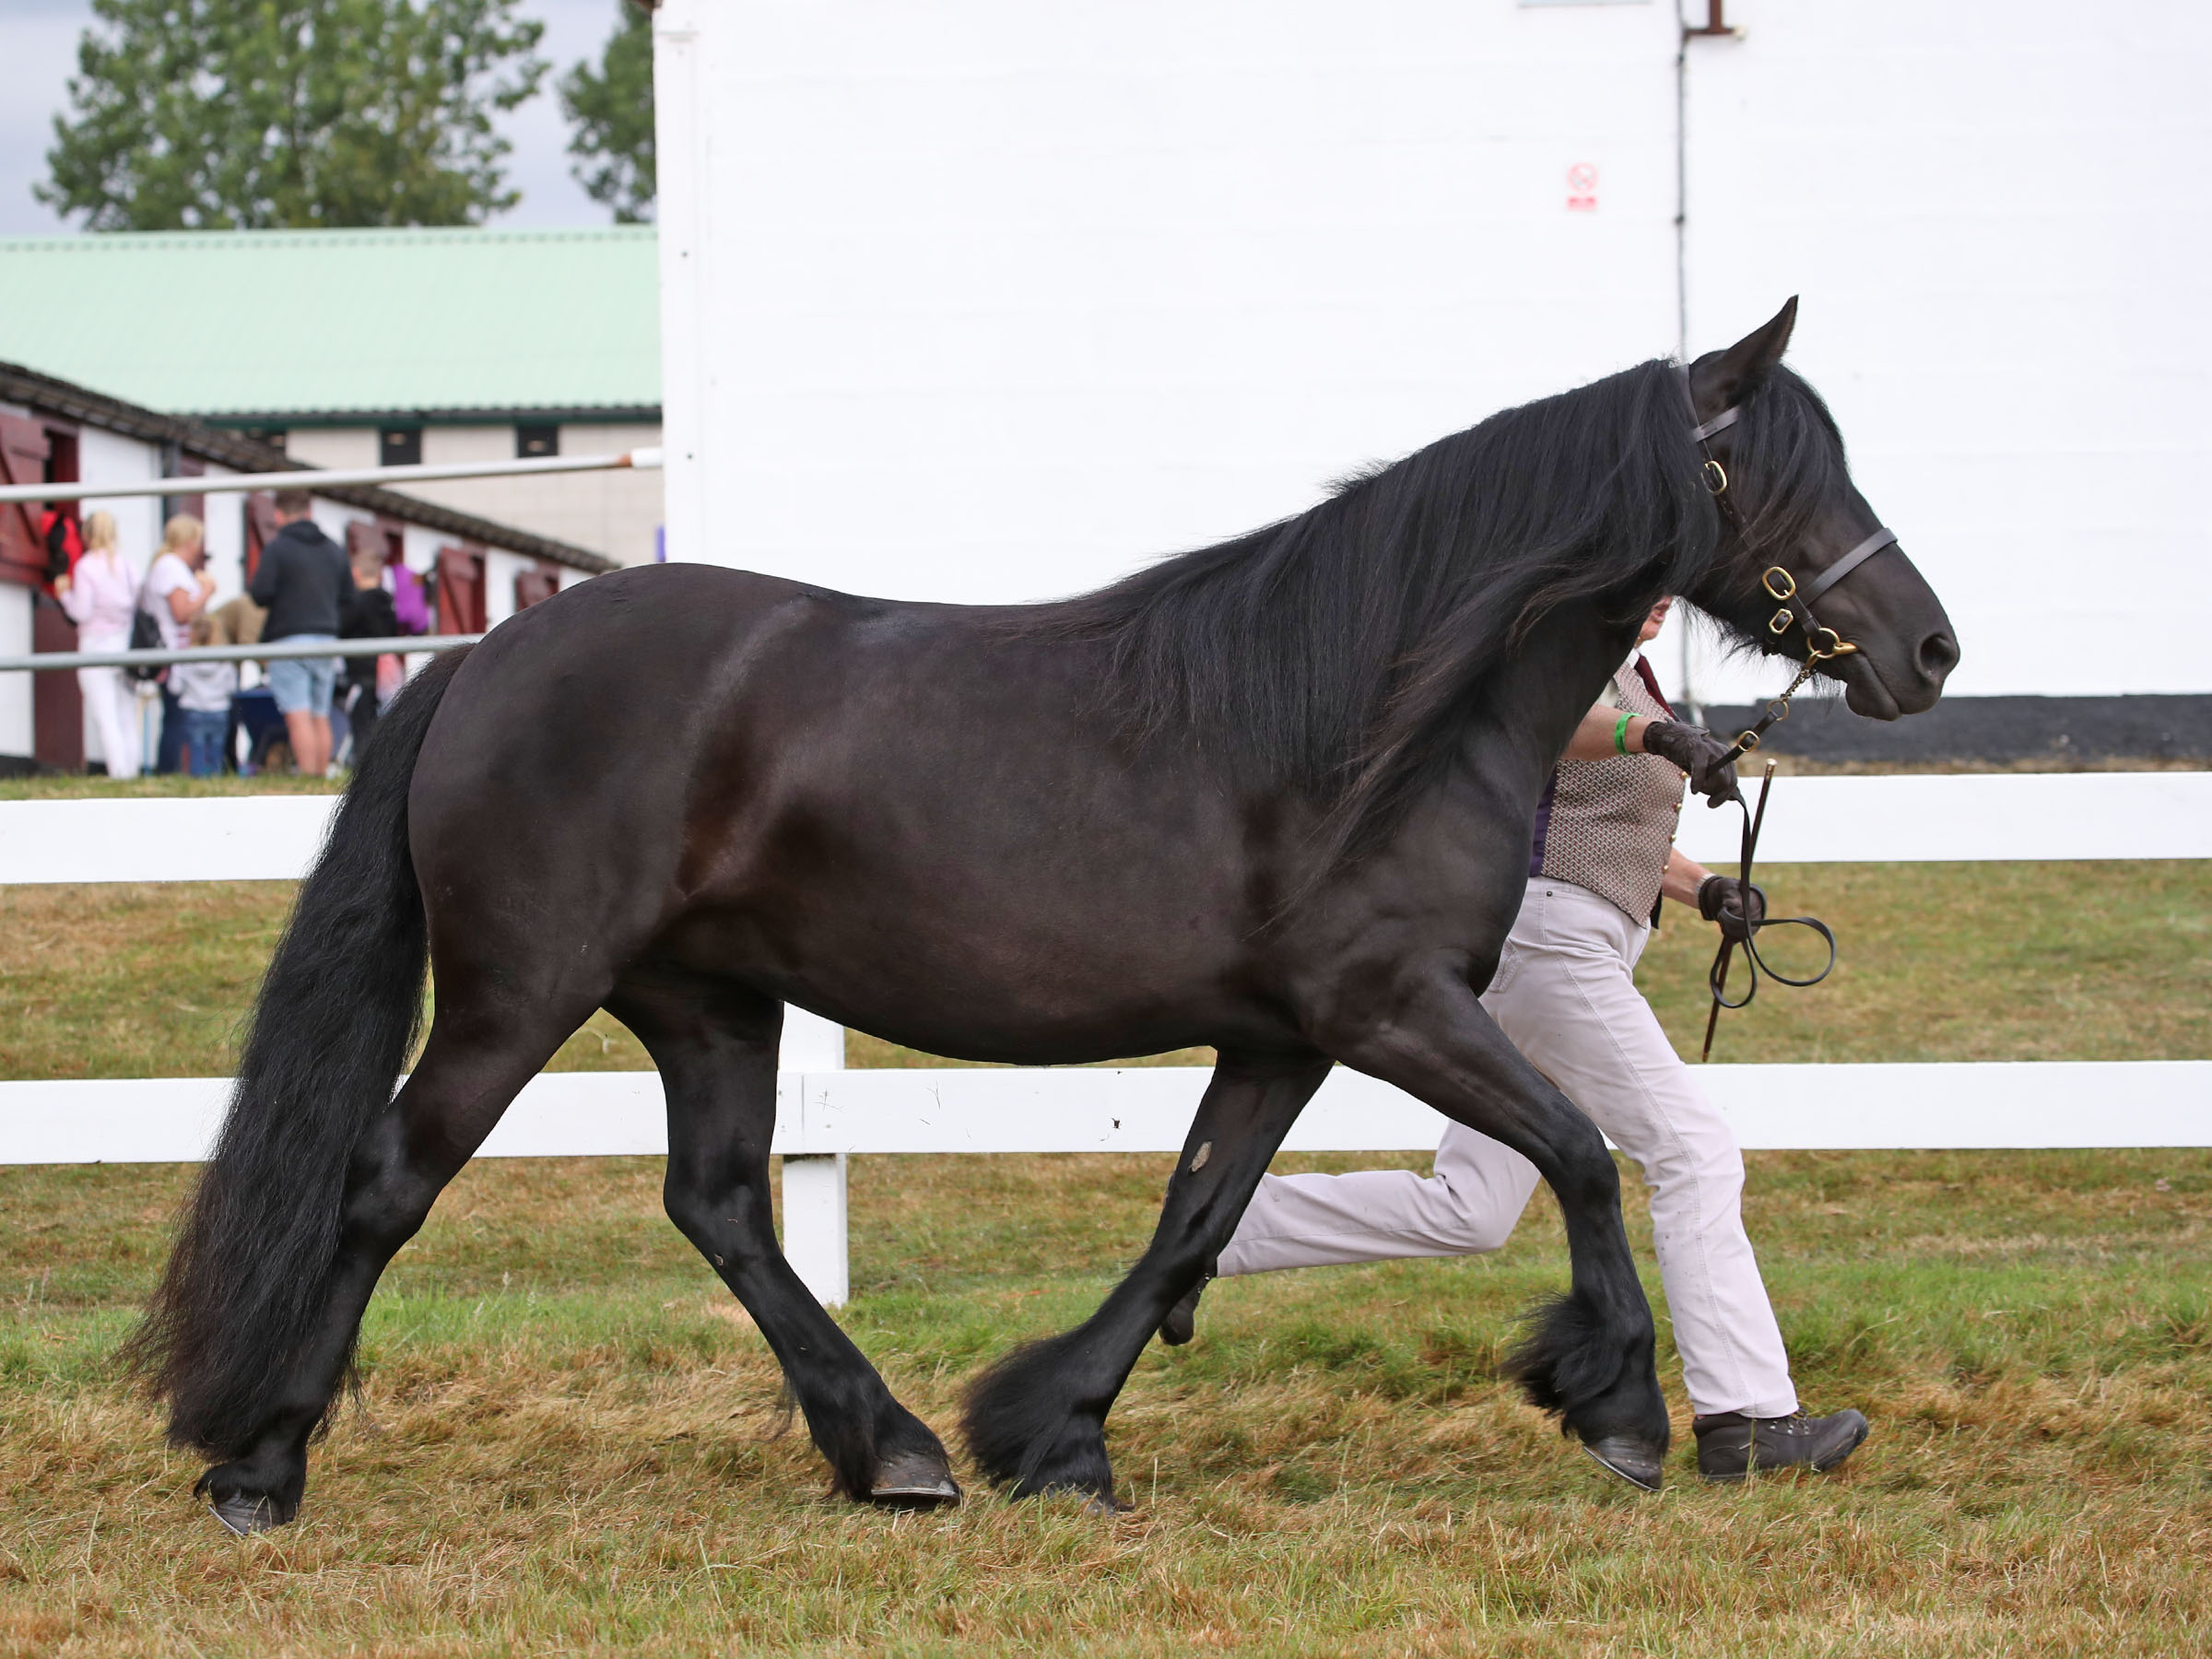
x,y
1804,567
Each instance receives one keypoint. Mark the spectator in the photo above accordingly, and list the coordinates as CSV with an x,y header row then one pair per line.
x,y
369,615
177,590
302,580
238,622
101,595
59,535
410,600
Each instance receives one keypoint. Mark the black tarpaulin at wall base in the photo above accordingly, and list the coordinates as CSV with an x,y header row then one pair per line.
x,y
1997,729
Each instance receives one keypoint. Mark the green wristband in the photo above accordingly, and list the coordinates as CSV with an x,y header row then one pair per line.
x,y
1620,734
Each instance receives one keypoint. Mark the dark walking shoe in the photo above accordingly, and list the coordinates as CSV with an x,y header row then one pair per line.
x,y
1181,1323
1730,1445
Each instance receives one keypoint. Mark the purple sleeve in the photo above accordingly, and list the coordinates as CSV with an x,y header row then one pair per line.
x,y
1535,855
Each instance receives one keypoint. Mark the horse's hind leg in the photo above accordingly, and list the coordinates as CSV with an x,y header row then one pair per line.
x,y
474,1064
715,1045
1037,1420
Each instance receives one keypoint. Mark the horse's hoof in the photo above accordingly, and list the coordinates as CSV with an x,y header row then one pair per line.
x,y
913,1481
242,1512
1637,1462
1104,1509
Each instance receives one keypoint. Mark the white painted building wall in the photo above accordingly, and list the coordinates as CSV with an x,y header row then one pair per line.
x,y
616,513
224,519
1996,212
17,727
989,301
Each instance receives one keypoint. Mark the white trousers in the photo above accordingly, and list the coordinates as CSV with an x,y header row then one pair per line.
x,y
1565,995
112,697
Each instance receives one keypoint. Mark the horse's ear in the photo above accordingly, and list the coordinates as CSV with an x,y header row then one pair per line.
x,y
1722,378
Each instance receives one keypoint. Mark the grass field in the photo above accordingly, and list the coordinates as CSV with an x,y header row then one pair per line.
x,y
569,1438
2046,961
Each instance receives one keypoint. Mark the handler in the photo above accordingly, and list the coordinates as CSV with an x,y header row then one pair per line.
x,y
1565,993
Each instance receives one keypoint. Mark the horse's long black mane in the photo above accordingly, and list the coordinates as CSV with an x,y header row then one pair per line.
x,y
1333,652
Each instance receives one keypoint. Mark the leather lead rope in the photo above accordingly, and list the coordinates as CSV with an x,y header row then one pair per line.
x,y
1716,980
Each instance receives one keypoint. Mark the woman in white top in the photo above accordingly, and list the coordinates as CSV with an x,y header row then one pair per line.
x,y
100,595
178,587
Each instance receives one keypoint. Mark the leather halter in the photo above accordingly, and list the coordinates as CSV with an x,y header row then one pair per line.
x,y
1822,644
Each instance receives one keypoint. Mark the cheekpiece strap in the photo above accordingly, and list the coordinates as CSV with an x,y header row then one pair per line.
x,y
1848,562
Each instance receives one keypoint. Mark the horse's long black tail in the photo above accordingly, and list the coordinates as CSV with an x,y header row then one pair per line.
x,y
337,1013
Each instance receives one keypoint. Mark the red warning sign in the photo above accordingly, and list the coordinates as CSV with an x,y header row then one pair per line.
x,y
1582,188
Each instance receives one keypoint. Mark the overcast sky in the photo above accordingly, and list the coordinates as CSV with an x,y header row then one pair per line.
x,y
37,42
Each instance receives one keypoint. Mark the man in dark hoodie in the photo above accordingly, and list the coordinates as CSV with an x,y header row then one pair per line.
x,y
303,582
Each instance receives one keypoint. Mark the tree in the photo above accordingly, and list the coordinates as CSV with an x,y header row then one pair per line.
x,y
215,115
611,110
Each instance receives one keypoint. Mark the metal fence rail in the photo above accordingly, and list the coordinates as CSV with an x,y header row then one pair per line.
x,y
312,478
47,662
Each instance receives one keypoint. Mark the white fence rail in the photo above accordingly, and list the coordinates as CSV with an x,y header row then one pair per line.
x,y
823,1116
1907,820
824,1113
1987,1104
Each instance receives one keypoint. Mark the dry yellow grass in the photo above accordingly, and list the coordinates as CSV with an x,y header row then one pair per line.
x,y
569,1441
569,1438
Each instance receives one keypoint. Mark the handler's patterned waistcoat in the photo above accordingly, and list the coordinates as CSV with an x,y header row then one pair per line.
x,y
1607,825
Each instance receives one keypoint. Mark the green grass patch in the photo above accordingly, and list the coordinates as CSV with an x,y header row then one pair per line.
x,y
1951,961
82,786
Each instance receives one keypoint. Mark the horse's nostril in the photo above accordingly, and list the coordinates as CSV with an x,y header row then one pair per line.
x,y
1938,655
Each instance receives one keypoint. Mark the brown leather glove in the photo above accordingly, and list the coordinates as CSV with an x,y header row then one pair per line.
x,y
1718,901
1698,752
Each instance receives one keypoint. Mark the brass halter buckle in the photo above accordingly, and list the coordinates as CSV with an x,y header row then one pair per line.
x,y
1716,477
1780,584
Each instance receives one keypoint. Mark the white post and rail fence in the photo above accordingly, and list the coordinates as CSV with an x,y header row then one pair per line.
x,y
825,1114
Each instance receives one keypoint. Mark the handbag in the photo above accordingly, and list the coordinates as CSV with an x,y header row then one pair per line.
x,y
146,635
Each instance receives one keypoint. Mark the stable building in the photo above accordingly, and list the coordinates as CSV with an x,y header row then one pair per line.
x,y
55,432
353,348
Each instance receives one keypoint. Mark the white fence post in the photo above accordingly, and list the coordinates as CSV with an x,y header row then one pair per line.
x,y
814,1224
814,1182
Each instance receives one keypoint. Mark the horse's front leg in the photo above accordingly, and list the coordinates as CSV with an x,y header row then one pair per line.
x,y
1589,1357
1036,1421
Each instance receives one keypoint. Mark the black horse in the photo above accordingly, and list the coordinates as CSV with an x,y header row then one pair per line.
x,y
1274,795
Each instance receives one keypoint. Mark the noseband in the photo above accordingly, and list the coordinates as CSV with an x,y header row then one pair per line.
x,y
1822,644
